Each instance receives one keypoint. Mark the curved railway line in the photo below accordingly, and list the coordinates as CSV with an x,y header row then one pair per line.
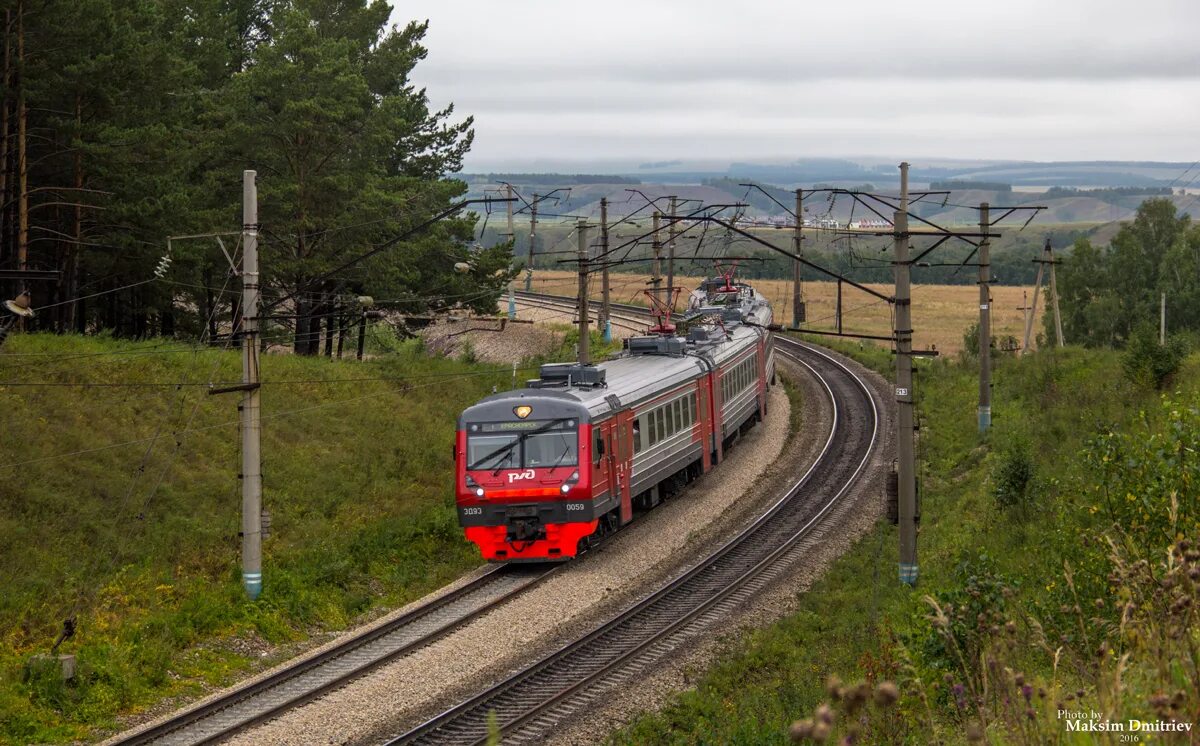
x,y
527,703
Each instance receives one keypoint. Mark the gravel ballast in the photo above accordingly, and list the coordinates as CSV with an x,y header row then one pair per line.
x,y
628,566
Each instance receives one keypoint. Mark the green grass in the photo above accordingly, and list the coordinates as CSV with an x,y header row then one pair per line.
x,y
120,506
997,564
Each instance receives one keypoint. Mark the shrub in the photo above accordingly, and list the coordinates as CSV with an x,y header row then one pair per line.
x,y
1148,363
1013,476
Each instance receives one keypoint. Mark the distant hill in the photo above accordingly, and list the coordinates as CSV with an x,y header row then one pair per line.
x,y
807,171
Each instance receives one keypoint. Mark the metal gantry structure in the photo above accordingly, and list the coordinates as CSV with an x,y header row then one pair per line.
x,y
901,302
900,209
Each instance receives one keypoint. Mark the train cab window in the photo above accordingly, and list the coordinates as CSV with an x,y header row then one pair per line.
x,y
493,452
552,449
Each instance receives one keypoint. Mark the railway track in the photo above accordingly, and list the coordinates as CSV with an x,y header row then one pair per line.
x,y
214,720
531,702
219,718
627,317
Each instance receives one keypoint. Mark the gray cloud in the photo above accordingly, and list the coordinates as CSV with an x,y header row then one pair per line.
x,y
1027,79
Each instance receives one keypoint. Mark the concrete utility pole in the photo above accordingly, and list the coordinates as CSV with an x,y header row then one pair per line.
x,y
512,235
797,244
1162,320
671,234
251,412
581,228
985,322
904,394
532,240
606,290
656,268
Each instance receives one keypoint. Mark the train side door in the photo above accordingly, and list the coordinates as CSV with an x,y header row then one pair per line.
x,y
601,460
714,409
621,464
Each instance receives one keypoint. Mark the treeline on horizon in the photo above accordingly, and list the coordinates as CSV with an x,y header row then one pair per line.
x,y
127,121
547,179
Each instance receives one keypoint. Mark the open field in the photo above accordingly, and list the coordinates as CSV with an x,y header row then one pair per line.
x,y
941,313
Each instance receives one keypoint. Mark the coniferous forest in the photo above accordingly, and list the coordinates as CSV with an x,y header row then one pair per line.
x,y
125,122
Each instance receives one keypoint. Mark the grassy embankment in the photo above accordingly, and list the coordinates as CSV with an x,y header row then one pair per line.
x,y
1024,606
940,312
119,505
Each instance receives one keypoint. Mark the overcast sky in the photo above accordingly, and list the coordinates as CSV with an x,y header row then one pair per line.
x,y
549,82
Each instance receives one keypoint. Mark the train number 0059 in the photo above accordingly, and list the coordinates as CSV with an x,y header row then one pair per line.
x,y
574,506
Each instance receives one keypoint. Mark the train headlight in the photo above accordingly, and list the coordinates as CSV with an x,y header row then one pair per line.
x,y
565,488
574,476
479,492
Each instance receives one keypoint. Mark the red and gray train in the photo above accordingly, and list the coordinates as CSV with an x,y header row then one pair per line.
x,y
545,470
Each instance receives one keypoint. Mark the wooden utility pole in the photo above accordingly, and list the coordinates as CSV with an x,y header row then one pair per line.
x,y
341,317
581,229
1024,308
7,85
985,322
22,161
1162,319
250,409
798,314
1054,295
1047,259
606,290
905,446
1037,287
532,242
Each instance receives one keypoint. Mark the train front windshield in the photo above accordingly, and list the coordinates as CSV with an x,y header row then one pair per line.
x,y
522,445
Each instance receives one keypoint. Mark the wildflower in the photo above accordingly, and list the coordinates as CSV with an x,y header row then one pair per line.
x,y
800,730
958,696
834,687
886,694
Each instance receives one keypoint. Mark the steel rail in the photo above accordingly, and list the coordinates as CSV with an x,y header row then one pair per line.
x,y
531,701
625,321
311,677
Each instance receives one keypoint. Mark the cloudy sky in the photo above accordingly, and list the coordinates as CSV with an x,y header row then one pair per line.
x,y
551,83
